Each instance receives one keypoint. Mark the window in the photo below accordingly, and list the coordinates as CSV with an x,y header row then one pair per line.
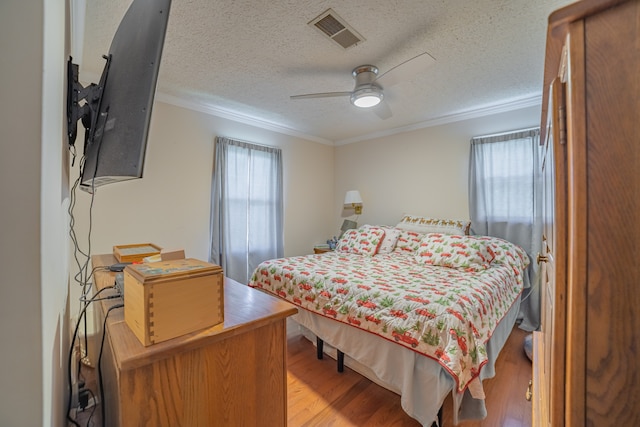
x,y
507,180
246,211
505,194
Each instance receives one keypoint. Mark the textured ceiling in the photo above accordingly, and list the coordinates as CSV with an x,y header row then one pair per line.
x,y
244,59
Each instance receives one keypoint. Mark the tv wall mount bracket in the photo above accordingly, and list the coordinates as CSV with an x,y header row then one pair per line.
x,y
88,110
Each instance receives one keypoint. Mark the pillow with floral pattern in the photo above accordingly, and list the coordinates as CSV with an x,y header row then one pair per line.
x,y
361,241
408,242
455,251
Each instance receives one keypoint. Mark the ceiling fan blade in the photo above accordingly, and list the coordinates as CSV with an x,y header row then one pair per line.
x,y
320,95
383,110
406,70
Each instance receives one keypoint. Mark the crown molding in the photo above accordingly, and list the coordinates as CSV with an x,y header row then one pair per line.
x,y
517,104
237,117
533,101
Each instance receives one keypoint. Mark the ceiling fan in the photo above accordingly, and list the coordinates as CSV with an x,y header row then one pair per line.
x,y
369,89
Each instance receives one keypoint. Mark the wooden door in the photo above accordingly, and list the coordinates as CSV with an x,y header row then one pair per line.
x,y
611,241
593,295
549,377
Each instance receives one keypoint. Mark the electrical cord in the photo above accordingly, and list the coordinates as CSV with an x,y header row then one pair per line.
x,y
73,340
533,287
93,409
86,290
82,277
106,298
82,259
531,290
104,333
81,264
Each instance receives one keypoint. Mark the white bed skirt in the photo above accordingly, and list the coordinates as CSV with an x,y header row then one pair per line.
x,y
420,381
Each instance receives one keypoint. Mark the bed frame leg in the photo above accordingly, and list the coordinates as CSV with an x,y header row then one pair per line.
x,y
439,423
320,353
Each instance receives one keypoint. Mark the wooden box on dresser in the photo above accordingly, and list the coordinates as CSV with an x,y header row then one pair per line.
x,y
586,368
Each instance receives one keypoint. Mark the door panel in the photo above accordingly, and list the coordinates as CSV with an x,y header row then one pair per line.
x,y
549,406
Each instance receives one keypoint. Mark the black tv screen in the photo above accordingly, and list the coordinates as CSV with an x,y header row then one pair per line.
x,y
116,147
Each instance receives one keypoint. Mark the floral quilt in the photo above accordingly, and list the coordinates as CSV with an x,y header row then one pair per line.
x,y
442,312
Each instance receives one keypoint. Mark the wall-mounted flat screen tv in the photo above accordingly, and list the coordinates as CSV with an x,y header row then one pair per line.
x,y
117,112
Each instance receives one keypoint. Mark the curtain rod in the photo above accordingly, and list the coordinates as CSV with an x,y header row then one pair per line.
x,y
247,142
506,133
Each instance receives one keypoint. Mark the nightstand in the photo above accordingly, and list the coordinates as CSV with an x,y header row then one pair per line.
x,y
321,250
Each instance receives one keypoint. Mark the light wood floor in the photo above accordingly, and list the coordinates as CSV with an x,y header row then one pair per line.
x,y
320,396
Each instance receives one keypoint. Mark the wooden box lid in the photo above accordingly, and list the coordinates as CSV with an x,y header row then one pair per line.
x,y
135,252
161,271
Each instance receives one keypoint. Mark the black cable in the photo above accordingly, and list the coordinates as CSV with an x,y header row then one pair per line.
x,y
85,283
73,340
107,298
82,259
82,277
81,266
83,300
87,289
72,235
93,409
77,250
104,334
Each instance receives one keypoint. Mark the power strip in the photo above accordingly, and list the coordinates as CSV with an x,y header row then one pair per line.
x,y
93,401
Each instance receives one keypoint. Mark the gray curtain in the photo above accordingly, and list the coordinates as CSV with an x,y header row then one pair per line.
x,y
246,207
505,200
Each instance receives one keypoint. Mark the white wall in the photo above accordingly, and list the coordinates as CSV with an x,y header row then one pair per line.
x,y
54,220
423,172
33,184
170,205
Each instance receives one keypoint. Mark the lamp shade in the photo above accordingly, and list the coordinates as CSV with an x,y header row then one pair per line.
x,y
352,197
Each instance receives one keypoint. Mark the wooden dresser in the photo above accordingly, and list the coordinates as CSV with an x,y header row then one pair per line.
x,y
587,354
232,374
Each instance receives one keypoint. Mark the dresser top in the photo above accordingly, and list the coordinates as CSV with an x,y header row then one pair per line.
x,y
245,309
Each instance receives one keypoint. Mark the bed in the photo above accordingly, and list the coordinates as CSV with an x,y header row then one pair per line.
x,y
422,310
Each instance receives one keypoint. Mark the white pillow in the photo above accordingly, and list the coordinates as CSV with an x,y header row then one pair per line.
x,y
421,224
388,244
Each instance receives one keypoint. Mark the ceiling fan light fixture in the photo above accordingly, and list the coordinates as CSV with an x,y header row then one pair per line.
x,y
367,97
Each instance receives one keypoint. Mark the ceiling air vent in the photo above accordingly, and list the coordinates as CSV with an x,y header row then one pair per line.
x,y
334,27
